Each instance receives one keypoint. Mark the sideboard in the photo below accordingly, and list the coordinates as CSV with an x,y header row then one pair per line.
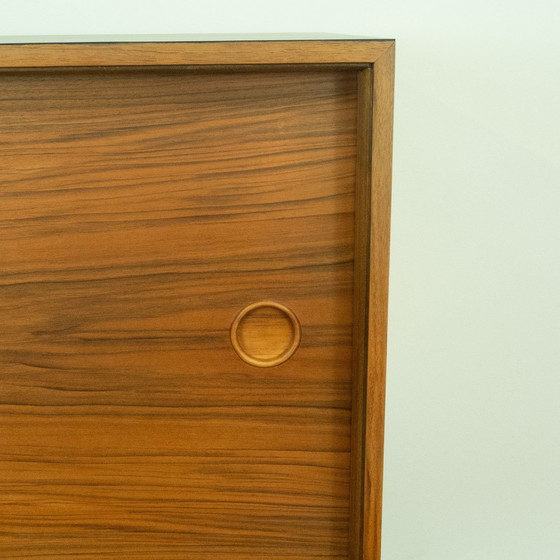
x,y
194,245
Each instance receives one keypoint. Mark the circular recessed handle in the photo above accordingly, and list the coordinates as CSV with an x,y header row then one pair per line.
x,y
265,334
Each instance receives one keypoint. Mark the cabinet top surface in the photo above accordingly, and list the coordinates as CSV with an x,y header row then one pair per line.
x,y
177,38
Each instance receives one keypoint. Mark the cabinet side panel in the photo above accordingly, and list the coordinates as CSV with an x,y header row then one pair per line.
x,y
382,134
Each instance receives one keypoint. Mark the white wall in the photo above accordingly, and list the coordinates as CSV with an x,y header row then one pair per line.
x,y
473,421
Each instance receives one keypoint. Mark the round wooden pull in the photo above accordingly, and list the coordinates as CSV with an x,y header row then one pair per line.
x,y
265,334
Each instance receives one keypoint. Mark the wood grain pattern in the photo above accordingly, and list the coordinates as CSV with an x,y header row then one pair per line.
x,y
148,194
140,211
240,52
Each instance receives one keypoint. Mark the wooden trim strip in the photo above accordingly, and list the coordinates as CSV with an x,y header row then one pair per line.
x,y
361,283
373,200
161,54
382,139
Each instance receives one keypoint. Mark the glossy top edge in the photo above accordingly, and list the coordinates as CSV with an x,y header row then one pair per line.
x,y
176,38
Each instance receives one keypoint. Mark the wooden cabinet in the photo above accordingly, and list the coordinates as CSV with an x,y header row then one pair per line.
x,y
194,245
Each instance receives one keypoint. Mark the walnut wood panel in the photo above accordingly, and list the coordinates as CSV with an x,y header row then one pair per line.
x,y
140,211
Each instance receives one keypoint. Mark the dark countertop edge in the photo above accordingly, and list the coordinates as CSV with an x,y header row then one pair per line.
x,y
176,38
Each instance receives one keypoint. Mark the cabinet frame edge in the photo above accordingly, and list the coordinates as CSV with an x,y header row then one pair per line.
x,y
371,279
